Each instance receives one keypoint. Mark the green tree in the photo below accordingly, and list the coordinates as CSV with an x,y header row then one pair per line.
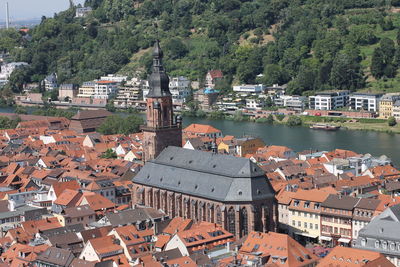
x,y
109,154
391,121
294,121
18,78
274,74
346,72
116,124
21,110
377,63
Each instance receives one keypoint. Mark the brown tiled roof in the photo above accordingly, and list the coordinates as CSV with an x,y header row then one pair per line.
x,y
349,257
91,114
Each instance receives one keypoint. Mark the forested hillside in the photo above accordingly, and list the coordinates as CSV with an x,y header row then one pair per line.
x,y
310,44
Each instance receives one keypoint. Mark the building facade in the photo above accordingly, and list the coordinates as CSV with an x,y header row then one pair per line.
x,y
336,219
329,100
382,235
180,89
365,102
386,104
249,88
67,92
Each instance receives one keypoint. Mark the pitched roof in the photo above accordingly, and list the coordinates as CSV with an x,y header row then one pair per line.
x,y
67,197
340,202
348,257
315,195
97,201
91,114
200,128
60,187
215,74
56,256
134,215
199,173
278,247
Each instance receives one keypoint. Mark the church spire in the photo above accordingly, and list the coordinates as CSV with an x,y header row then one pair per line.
x,y
159,80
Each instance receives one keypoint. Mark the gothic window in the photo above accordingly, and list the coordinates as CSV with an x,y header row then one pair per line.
x,y
231,221
157,197
244,226
257,219
267,225
210,214
219,216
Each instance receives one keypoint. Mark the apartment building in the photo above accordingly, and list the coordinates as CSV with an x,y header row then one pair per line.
x,y
87,90
304,213
180,89
365,102
336,220
103,89
386,105
329,100
396,110
249,88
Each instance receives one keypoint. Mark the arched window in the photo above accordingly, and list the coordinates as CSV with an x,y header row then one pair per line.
x,y
219,215
231,221
267,219
244,226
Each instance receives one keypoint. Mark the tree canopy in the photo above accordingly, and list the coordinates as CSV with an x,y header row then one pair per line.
x,y
311,45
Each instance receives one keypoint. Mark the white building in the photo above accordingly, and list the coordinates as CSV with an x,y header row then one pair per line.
x,y
249,88
329,100
114,78
130,93
50,82
103,89
179,88
255,104
366,102
297,103
87,89
7,69
82,12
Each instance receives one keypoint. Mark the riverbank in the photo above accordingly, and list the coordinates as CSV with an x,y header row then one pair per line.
x,y
363,124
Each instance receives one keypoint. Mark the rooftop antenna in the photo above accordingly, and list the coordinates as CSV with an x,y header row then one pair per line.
x,y
7,17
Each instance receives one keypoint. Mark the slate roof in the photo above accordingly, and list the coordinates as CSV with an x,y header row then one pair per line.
x,y
386,226
340,202
132,216
207,175
56,256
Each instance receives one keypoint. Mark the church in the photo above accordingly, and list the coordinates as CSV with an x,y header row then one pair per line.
x,y
198,185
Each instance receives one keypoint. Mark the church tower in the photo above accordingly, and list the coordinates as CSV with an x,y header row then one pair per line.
x,y
162,128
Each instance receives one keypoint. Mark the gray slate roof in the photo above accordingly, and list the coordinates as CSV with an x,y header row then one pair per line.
x,y
138,214
340,202
207,175
384,227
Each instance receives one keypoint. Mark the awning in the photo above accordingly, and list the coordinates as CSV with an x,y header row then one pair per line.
x,y
306,234
344,240
325,238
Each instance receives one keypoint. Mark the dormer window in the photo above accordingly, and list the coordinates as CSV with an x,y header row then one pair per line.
x,y
307,204
296,203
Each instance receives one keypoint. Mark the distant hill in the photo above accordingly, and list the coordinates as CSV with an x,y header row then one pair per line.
x,y
309,44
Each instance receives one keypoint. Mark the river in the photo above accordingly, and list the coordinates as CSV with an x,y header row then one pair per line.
x,y
302,138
